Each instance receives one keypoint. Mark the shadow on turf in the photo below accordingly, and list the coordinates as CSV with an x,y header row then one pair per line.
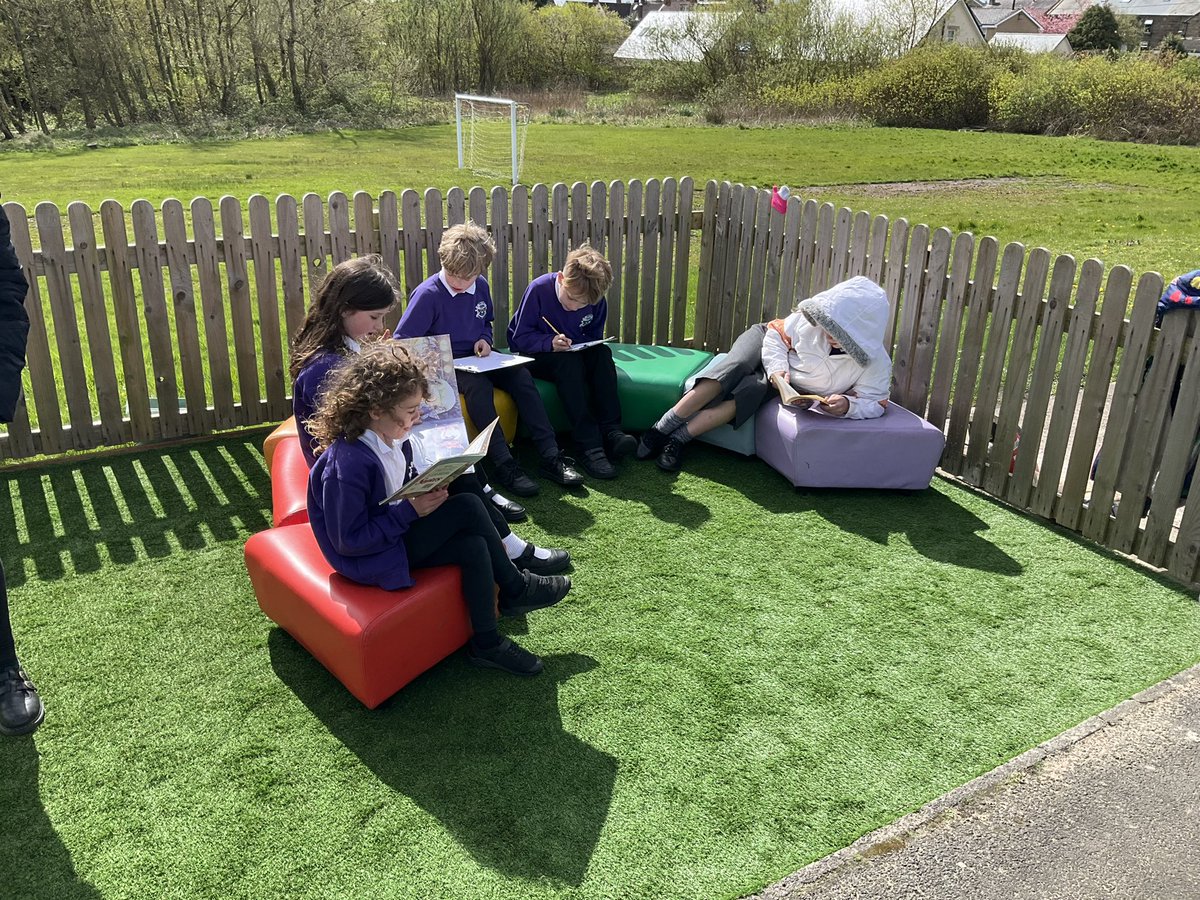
x,y
137,504
33,859
486,754
936,526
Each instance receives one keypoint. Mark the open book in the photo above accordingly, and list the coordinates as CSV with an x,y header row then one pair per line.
x,y
790,396
583,345
442,472
490,363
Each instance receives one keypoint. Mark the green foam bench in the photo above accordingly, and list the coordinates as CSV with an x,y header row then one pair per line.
x,y
649,381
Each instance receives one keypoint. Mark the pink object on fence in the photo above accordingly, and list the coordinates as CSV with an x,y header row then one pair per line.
x,y
779,198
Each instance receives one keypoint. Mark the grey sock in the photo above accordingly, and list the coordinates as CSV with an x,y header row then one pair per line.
x,y
669,422
681,434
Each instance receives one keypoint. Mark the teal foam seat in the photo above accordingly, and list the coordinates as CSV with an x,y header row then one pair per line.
x,y
649,381
739,440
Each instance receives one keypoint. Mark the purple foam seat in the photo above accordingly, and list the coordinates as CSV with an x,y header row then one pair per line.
x,y
897,450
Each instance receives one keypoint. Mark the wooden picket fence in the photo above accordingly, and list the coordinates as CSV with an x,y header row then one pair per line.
x,y
994,345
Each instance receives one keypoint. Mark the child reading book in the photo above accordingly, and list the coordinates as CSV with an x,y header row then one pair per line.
x,y
348,309
457,301
560,312
827,355
361,425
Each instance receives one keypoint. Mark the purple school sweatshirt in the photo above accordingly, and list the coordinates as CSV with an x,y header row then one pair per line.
x,y
305,392
465,317
527,333
359,538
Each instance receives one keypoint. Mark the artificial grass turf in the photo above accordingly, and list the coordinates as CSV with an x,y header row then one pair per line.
x,y
744,679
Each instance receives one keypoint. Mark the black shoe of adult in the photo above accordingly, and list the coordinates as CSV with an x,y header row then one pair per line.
x,y
561,469
540,591
21,709
596,464
671,458
510,509
558,560
620,444
506,656
510,476
651,443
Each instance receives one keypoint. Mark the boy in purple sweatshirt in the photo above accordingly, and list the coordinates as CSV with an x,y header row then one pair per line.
x,y
457,301
560,310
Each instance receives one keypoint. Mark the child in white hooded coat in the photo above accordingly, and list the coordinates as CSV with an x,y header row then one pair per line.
x,y
831,346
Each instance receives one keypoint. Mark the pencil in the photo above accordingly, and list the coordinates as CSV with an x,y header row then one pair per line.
x,y
551,324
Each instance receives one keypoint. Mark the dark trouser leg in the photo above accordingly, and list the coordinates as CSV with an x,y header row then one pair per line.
x,y
481,407
518,381
602,377
468,483
460,533
568,372
8,650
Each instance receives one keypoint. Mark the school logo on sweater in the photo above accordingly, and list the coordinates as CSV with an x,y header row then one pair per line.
x,y
481,310
585,321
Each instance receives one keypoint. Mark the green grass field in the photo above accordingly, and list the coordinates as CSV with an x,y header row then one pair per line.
x,y
744,679
1125,204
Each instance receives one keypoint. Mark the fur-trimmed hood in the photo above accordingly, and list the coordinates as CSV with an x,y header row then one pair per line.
x,y
855,312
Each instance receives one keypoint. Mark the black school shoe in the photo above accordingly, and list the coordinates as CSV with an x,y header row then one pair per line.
x,y
651,443
507,657
540,591
597,465
559,560
560,469
510,476
21,709
510,509
671,458
620,444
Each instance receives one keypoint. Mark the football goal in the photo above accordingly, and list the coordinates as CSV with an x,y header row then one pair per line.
x,y
491,135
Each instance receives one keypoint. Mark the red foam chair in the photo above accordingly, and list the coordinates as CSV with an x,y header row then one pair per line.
x,y
280,435
289,484
373,641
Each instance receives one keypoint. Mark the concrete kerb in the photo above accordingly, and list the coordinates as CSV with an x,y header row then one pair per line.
x,y
903,830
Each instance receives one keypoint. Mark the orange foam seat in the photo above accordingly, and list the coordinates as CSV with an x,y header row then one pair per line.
x,y
373,641
286,430
289,485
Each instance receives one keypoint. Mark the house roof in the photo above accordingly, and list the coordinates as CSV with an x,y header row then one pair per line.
x,y
672,36
993,15
1031,43
1183,8
1054,24
944,10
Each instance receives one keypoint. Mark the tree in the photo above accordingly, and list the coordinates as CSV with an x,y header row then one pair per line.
x,y
1173,45
1096,30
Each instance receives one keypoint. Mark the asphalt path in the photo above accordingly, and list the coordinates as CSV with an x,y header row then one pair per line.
x,y
1109,809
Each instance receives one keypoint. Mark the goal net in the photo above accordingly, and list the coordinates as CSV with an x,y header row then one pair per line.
x,y
491,135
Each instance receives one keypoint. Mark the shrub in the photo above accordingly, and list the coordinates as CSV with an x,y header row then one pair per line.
x,y
934,86
1038,99
574,44
1137,98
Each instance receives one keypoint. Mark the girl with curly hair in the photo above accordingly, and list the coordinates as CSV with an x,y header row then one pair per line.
x,y
361,425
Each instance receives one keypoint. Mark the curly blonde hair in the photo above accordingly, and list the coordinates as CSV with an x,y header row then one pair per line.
x,y
379,378
587,275
466,250
362,283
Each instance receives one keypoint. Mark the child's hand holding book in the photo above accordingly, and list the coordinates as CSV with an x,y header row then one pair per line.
x,y
424,504
789,396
